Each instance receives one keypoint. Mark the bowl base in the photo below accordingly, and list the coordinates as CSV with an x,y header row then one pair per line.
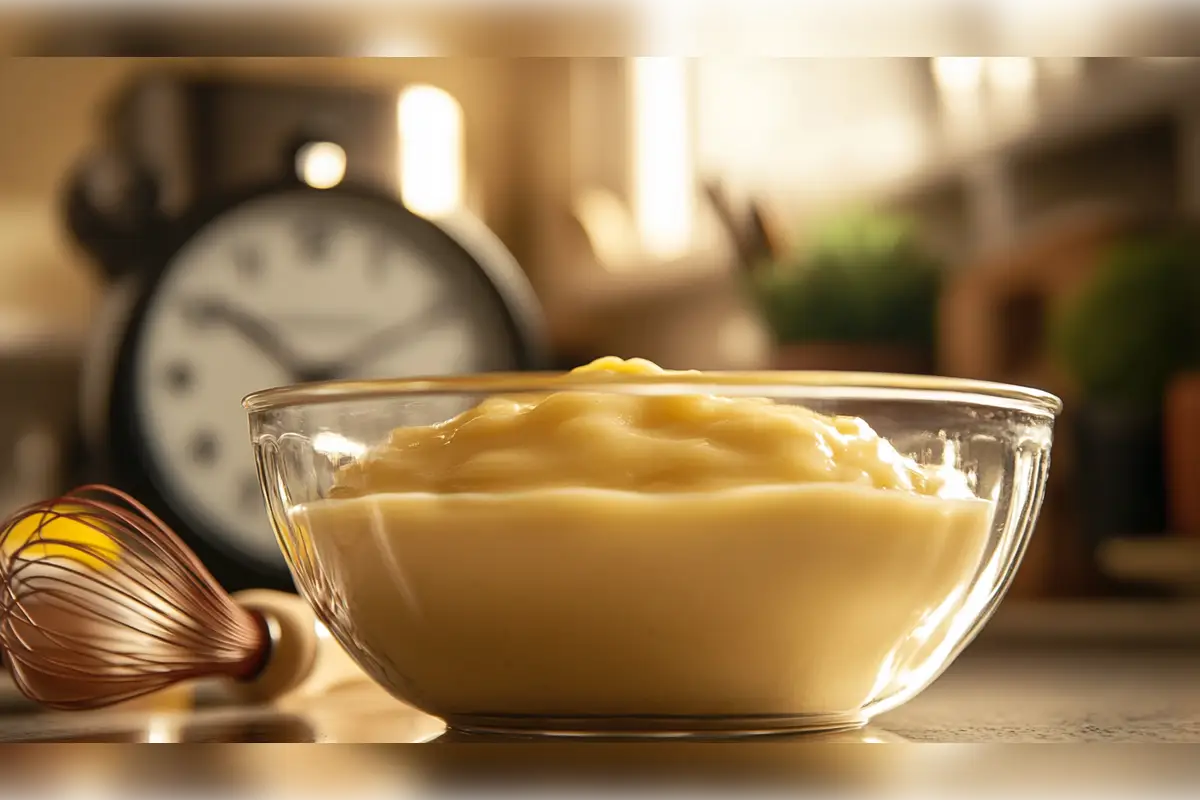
x,y
652,727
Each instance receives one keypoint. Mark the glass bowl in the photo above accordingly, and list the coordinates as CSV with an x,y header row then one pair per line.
x,y
648,614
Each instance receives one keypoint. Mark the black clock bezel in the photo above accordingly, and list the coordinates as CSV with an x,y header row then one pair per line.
x,y
120,447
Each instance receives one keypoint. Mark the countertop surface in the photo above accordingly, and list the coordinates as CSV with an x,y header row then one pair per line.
x,y
1127,675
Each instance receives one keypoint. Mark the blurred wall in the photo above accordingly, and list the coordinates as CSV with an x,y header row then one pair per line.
x,y
52,108
804,130
802,134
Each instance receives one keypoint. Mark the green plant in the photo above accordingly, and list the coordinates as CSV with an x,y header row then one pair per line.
x,y
1136,325
864,278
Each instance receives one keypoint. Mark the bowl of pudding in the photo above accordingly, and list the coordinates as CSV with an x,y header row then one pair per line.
x,y
627,550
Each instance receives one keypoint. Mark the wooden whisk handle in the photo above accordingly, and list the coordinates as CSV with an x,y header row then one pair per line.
x,y
303,658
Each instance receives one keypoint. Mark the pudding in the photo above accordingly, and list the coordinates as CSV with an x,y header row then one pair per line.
x,y
589,555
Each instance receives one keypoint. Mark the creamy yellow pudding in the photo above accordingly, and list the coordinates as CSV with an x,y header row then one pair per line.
x,y
598,554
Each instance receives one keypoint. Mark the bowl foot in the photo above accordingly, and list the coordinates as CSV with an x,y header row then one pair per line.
x,y
651,727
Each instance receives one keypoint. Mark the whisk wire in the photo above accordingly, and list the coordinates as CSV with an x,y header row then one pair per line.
x,y
100,602
168,550
74,579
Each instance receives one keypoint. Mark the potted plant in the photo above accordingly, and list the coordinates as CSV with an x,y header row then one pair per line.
x,y
1125,339
861,296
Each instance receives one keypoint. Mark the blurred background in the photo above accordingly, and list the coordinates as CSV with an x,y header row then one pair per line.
x,y
1018,219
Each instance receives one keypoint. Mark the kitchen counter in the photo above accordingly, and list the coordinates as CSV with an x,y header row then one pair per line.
x,y
1080,673
987,697
1128,673
999,695
1044,695
1027,697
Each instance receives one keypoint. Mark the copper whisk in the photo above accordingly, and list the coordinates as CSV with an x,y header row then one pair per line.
x,y
103,603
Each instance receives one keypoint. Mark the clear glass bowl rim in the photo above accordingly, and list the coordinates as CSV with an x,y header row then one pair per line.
x,y
778,384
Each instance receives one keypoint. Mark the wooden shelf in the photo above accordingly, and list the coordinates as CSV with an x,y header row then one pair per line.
x,y
1104,107
1168,560
982,194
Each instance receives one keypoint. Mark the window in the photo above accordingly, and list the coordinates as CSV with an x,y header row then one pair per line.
x,y
431,151
663,176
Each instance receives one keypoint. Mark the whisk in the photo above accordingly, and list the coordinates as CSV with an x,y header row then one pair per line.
x,y
103,603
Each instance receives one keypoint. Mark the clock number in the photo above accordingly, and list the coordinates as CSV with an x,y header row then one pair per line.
x,y
248,262
203,448
179,377
316,240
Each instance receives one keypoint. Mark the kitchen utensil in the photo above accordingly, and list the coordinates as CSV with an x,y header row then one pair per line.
x,y
103,603
752,239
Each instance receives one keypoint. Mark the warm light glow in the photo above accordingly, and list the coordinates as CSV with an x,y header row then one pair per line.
x,y
321,165
889,147
398,46
160,730
1060,26
1011,74
431,151
958,74
663,196
960,81
1013,83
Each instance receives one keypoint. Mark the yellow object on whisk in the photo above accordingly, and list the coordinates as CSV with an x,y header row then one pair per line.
x,y
65,530
101,602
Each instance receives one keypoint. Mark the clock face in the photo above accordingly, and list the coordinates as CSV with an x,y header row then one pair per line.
x,y
288,288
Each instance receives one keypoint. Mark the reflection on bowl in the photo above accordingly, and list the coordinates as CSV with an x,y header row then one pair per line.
x,y
625,551
864,735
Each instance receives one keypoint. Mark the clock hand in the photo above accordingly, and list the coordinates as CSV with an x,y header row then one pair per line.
x,y
251,328
379,343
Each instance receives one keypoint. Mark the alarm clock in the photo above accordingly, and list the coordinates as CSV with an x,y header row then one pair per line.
x,y
278,284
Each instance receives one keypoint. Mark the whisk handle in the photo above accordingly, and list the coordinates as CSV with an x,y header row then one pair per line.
x,y
304,658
